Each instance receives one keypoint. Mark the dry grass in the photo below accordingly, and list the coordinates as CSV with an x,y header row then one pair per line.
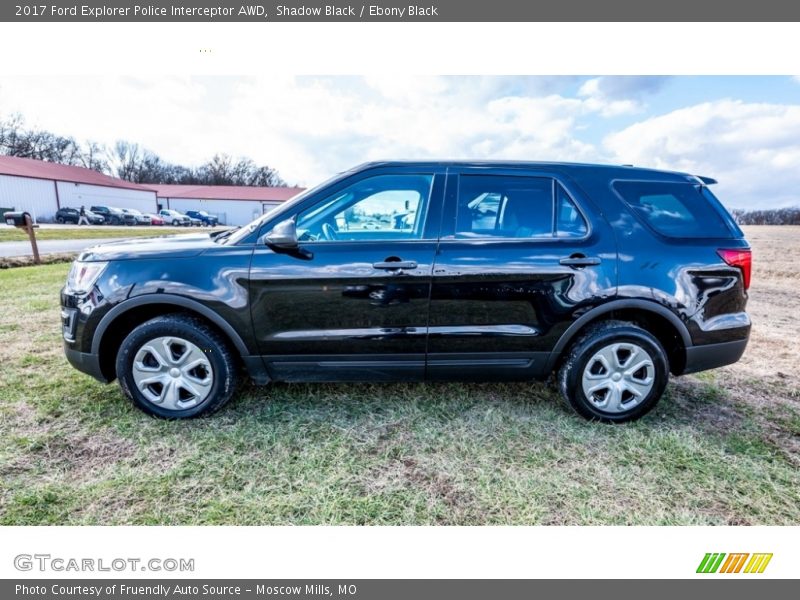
x,y
10,262
721,448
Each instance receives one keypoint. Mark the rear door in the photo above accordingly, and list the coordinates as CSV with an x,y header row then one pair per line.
x,y
521,253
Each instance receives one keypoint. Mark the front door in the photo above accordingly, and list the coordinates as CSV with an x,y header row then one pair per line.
x,y
520,253
352,303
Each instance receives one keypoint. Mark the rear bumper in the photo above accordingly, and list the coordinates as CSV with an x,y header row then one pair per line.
x,y
85,363
711,356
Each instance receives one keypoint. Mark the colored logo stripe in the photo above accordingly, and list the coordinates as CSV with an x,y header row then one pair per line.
x,y
710,562
758,563
733,564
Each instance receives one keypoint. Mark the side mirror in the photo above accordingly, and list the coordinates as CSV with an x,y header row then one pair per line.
x,y
283,236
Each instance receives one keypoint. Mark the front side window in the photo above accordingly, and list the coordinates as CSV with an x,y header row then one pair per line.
x,y
383,207
515,207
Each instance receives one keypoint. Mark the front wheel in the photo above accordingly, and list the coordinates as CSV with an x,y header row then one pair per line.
x,y
615,372
177,367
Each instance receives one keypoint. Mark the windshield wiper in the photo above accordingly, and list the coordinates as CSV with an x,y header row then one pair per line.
x,y
221,235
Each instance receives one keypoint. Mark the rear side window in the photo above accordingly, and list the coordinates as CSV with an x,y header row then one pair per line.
x,y
569,220
674,209
515,207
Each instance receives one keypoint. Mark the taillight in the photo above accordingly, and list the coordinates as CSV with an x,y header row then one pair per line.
x,y
739,258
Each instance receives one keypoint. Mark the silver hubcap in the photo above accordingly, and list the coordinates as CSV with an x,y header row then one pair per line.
x,y
172,373
618,377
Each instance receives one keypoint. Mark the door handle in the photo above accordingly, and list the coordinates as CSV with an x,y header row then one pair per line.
x,y
391,265
579,260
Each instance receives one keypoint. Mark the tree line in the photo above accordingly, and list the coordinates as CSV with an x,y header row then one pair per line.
x,y
128,160
771,216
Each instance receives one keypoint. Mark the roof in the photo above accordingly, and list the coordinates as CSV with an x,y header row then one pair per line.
x,y
621,171
225,192
37,169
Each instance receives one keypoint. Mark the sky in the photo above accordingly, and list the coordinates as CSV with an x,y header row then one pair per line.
x,y
742,130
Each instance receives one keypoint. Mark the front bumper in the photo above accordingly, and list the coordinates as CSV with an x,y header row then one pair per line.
x,y
85,363
711,356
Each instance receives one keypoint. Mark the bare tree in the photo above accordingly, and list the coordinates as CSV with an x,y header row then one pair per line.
x,y
224,170
129,161
17,140
94,156
772,216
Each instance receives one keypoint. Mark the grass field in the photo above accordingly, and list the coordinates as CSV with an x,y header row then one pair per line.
x,y
11,234
722,448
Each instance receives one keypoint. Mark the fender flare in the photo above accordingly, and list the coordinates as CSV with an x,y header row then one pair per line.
x,y
173,300
643,305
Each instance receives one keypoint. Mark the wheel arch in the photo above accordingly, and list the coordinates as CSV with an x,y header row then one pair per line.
x,y
664,324
123,318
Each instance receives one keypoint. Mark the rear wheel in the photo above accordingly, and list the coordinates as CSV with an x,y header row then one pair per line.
x,y
177,367
615,372
60,220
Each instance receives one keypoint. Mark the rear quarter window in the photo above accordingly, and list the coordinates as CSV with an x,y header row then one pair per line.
x,y
674,209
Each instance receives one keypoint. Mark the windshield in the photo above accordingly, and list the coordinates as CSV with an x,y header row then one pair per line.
x,y
243,232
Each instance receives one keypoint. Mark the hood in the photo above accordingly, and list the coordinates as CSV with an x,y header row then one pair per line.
x,y
167,246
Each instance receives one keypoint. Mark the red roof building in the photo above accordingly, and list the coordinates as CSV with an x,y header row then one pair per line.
x,y
38,169
41,188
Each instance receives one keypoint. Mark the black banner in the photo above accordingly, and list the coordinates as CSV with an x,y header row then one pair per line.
x,y
402,10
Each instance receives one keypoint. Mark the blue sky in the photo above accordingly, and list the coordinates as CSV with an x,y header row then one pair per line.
x,y
742,130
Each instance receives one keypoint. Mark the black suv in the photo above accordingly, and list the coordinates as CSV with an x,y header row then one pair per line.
x,y
612,277
114,216
73,215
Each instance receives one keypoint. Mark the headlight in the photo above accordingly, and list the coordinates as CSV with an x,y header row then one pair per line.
x,y
83,275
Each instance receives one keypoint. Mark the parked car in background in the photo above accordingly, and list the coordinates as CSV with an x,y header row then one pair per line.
x,y
72,215
155,219
139,218
205,218
174,218
112,215
611,277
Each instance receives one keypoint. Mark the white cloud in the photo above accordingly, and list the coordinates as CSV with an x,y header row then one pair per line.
x,y
309,128
597,99
752,148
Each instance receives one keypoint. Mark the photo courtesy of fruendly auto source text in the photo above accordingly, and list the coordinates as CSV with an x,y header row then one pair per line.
x,y
399,300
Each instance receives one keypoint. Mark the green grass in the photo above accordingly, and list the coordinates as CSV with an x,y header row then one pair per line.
x,y
11,234
73,451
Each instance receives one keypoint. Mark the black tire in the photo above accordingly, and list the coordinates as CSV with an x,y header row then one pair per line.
x,y
60,220
175,222
596,338
219,354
